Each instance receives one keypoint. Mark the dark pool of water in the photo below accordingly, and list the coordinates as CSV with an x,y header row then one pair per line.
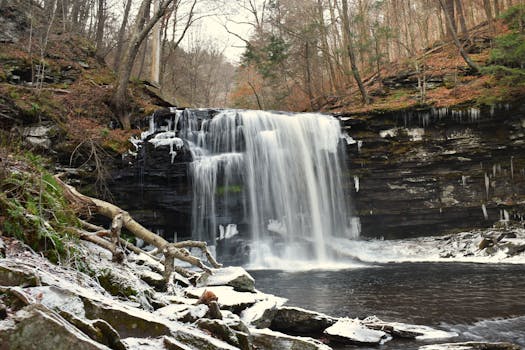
x,y
479,301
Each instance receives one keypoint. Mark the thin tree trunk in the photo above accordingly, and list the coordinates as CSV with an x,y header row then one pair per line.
x,y
488,11
351,53
121,33
465,56
448,8
461,17
101,21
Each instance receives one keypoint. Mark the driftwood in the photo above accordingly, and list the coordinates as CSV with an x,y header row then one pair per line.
x,y
122,219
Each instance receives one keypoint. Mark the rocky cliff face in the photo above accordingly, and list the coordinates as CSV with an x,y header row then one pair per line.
x,y
419,173
410,173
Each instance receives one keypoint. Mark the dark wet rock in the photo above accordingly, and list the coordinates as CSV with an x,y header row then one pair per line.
x,y
12,275
3,311
37,327
2,247
214,311
302,321
486,243
471,346
271,340
436,182
234,276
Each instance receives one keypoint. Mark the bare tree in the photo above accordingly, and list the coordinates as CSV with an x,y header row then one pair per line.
x,y
140,31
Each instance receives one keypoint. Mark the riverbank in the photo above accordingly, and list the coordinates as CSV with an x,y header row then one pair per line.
x,y
123,306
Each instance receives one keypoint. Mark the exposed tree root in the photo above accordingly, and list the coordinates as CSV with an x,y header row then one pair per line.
x,y
122,219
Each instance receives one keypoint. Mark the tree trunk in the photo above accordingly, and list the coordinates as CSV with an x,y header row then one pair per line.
x,y
461,17
351,53
448,8
120,98
488,11
473,66
121,33
101,22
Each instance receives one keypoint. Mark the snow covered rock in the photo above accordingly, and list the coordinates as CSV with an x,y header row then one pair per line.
x,y
271,340
353,331
262,313
404,330
300,320
233,276
183,312
471,346
58,299
127,320
153,279
36,324
228,298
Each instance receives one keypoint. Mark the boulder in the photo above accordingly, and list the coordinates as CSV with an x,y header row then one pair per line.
x,y
353,331
233,276
471,346
267,339
37,327
11,275
262,313
301,321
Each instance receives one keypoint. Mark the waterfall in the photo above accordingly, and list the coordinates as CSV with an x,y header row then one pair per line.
x,y
281,172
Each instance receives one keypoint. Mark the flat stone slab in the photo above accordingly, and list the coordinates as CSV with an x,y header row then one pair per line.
x,y
353,331
405,330
233,276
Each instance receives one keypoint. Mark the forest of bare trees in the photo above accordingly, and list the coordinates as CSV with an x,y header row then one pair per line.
x,y
298,53
302,52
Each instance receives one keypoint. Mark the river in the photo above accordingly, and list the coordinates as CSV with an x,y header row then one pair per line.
x,y
484,302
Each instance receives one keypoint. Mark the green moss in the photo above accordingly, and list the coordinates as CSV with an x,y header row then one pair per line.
x,y
35,210
223,190
115,285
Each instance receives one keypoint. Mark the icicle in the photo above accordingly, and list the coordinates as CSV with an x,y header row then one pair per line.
x,y
487,184
506,216
359,145
484,210
356,183
464,180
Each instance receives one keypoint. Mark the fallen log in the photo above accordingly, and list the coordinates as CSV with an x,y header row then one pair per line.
x,y
121,219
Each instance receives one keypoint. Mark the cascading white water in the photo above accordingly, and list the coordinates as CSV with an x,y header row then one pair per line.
x,y
283,170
